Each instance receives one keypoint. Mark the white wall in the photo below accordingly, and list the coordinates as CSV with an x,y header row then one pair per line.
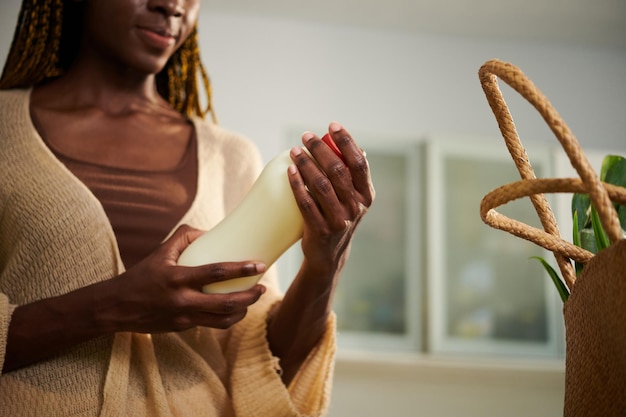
x,y
271,76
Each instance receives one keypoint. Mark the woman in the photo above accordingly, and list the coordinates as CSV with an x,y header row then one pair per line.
x,y
109,172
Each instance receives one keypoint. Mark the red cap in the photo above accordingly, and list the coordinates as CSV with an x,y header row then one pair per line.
x,y
331,144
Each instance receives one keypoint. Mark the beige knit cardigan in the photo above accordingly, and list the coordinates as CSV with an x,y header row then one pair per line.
x,y
55,237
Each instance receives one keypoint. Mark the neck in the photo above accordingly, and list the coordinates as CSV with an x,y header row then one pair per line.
x,y
91,83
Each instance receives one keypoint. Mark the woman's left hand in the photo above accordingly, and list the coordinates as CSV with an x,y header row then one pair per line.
x,y
333,194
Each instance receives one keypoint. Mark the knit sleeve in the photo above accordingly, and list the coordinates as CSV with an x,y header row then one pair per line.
x,y
258,390
6,310
256,384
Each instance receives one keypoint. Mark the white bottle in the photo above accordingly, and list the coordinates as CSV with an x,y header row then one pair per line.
x,y
261,228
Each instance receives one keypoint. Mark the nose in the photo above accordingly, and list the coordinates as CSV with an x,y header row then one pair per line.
x,y
173,8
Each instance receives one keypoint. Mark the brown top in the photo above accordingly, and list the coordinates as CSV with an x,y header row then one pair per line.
x,y
143,206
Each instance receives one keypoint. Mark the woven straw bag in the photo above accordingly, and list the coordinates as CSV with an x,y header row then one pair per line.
x,y
595,313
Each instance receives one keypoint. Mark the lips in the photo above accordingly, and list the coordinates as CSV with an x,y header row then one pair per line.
x,y
157,37
159,30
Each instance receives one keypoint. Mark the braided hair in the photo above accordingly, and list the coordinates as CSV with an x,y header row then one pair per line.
x,y
46,41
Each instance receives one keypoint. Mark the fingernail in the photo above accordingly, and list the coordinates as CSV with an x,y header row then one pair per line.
x,y
307,136
335,127
255,268
291,169
296,151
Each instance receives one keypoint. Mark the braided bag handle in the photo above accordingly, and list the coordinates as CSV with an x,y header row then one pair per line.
x,y
588,183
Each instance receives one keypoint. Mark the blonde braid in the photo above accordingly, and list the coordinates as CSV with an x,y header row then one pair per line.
x,y
34,53
182,83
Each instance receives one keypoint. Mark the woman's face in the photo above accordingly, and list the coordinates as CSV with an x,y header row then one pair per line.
x,y
138,35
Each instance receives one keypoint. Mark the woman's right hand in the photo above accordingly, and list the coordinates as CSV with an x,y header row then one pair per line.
x,y
154,296
157,295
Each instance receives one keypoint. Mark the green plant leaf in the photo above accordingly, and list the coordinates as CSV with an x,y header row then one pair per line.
x,y
614,172
588,240
576,228
581,204
602,240
560,285
576,239
621,213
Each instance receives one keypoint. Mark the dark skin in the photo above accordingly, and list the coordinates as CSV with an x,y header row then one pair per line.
x,y
105,109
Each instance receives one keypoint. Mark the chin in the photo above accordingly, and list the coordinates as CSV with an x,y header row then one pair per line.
x,y
151,65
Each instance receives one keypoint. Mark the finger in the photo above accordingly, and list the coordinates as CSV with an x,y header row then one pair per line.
x,y
323,149
224,304
306,203
340,179
356,161
199,276
220,321
178,242
314,192
334,166
344,141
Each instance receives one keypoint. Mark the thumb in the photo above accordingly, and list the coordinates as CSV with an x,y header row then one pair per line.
x,y
179,241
